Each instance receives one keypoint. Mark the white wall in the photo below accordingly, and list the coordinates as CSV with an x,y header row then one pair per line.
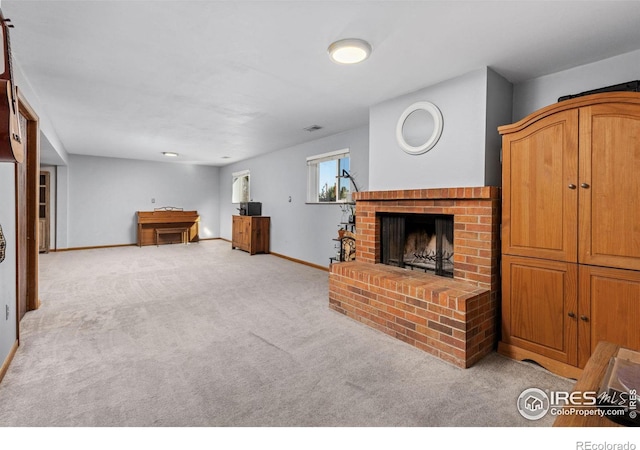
x,y
298,230
8,266
105,193
499,111
458,159
539,92
62,207
51,146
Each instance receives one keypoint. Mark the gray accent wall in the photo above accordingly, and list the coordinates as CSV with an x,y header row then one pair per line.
x,y
462,155
298,230
104,195
8,332
499,111
537,93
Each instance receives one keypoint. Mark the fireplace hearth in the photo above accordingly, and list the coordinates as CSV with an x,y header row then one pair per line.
x,y
454,318
418,242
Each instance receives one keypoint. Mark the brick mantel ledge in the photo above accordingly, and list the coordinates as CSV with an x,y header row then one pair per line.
x,y
466,193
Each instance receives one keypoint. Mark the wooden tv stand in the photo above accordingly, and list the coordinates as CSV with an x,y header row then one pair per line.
x,y
251,234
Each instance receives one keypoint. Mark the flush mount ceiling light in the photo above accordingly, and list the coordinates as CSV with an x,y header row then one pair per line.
x,y
349,51
170,154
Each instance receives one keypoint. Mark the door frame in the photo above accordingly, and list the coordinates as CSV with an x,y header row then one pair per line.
x,y
32,161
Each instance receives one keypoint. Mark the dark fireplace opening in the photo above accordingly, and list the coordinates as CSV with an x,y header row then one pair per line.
x,y
417,242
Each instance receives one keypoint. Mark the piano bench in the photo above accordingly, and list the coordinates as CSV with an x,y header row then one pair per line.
x,y
184,232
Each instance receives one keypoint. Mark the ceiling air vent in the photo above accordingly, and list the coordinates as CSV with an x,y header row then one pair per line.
x,y
313,128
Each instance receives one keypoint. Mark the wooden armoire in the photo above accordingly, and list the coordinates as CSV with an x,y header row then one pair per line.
x,y
571,231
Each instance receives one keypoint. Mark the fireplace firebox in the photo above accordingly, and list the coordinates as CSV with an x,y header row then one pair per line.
x,y
417,242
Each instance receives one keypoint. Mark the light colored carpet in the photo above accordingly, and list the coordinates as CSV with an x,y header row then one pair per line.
x,y
202,335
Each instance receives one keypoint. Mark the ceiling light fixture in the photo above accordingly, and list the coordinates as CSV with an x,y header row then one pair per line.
x,y
170,154
349,51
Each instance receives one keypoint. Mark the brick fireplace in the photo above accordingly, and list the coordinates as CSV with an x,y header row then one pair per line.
x,y
455,318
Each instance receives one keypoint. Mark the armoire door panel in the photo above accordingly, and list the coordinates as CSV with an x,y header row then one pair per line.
x,y
539,312
540,172
609,309
609,195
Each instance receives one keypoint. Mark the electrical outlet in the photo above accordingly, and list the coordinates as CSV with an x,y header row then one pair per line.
x,y
153,200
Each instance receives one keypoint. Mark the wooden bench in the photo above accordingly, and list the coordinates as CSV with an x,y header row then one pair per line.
x,y
184,233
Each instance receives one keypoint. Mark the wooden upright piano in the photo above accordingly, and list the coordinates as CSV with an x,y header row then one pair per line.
x,y
167,227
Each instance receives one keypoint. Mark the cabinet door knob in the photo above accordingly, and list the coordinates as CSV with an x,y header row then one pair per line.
x,y
584,318
584,185
572,186
572,314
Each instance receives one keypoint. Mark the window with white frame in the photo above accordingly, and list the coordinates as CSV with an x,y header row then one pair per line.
x,y
240,187
325,177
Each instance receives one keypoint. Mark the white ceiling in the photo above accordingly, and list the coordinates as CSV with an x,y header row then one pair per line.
x,y
221,81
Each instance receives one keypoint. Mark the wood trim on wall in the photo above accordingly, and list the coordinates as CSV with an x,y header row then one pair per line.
x,y
20,171
299,261
5,365
32,161
93,247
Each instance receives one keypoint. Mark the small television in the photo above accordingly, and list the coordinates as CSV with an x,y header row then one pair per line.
x,y
250,209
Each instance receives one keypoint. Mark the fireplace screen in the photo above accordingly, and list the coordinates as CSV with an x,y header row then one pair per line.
x,y
418,241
